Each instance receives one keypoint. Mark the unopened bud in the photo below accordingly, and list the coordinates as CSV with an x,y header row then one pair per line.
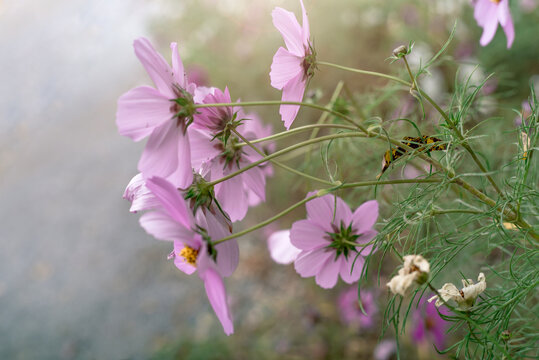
x,y
400,51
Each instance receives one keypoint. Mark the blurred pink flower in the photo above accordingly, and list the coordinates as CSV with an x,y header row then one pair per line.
x,y
292,66
145,111
525,114
351,311
384,350
281,249
175,222
488,13
198,75
528,5
328,239
428,326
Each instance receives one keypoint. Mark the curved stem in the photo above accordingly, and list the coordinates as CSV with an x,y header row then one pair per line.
x,y
298,130
318,194
364,72
279,164
284,151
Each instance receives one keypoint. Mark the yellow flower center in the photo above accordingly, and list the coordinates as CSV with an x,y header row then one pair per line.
x,y
496,1
190,255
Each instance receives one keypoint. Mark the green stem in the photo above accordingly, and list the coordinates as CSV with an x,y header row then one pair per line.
x,y
279,164
284,151
364,72
298,130
270,220
318,194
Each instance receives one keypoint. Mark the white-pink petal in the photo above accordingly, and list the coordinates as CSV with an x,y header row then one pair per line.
x,y
215,289
140,111
156,66
281,249
171,200
293,91
287,24
308,263
285,66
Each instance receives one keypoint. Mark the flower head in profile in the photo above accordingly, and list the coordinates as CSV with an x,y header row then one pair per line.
x,y
350,309
333,240
414,270
428,325
292,67
488,13
464,298
160,113
191,237
214,158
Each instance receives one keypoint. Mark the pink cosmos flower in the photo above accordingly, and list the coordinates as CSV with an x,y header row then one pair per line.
x,y
281,249
174,221
488,13
214,159
428,325
351,311
292,66
334,240
215,119
154,113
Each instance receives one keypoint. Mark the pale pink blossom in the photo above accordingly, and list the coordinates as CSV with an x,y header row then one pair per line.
x,y
488,13
191,236
333,240
281,249
154,112
351,311
292,67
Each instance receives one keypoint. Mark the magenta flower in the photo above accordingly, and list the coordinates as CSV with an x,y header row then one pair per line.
x,y
192,251
488,13
156,113
214,159
428,326
334,240
292,66
215,119
281,249
351,311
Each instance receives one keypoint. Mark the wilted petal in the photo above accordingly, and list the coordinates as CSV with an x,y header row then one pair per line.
x,y
140,111
285,66
215,289
281,249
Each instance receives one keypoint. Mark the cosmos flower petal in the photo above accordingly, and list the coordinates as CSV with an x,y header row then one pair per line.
x,y
292,91
489,28
156,66
233,198
160,156
183,265
215,289
308,263
285,66
228,251
171,200
177,66
161,226
365,216
305,31
255,180
366,237
306,235
140,111
287,24
320,211
329,273
281,249
351,268
507,22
